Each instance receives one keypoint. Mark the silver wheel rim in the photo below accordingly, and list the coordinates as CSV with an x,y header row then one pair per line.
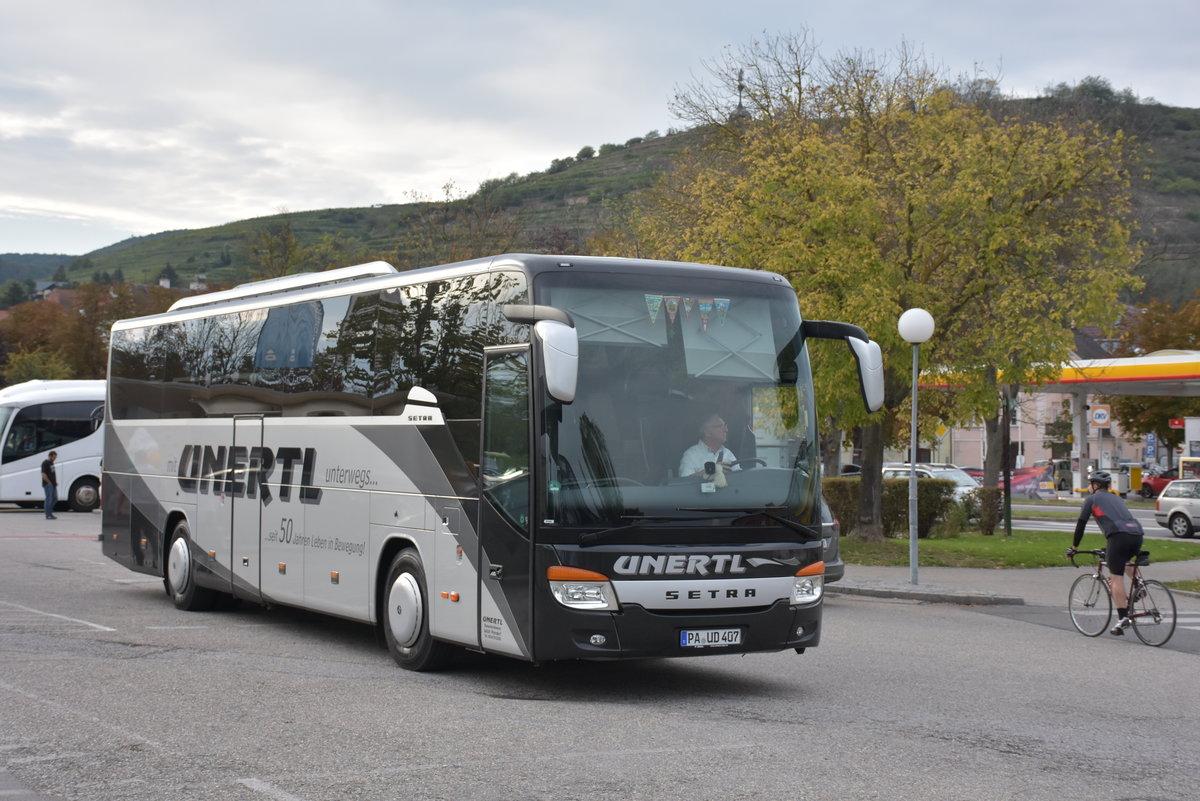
x,y
404,610
179,564
85,495
1179,526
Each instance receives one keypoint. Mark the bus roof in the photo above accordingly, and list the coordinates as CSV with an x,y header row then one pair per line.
x,y
39,391
380,275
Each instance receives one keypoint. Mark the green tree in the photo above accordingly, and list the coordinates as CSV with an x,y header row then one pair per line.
x,y
455,227
14,292
585,153
875,186
27,365
275,251
337,250
1059,433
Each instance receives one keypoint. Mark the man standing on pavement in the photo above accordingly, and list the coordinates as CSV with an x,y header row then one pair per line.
x,y
50,484
1123,534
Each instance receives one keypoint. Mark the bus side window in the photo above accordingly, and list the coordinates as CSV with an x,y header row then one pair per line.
x,y
21,441
45,426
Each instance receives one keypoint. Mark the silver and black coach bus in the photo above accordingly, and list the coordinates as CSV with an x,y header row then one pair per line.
x,y
483,455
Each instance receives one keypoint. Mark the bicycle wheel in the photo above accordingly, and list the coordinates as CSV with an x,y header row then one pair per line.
x,y
1154,614
1090,604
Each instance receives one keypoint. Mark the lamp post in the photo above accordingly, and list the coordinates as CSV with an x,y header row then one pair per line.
x,y
916,326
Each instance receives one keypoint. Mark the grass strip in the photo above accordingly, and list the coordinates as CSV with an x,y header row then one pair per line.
x,y
1024,549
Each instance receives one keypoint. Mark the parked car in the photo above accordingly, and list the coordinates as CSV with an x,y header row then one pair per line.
x,y
964,484
1178,507
1153,485
1026,481
831,534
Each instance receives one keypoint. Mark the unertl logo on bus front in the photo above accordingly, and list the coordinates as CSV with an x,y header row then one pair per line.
x,y
679,565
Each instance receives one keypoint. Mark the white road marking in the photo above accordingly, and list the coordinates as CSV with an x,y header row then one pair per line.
x,y
260,786
65,710
89,624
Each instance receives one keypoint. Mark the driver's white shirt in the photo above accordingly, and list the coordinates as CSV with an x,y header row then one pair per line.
x,y
693,458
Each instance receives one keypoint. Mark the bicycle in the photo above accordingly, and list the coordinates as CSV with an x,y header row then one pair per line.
x,y
1151,605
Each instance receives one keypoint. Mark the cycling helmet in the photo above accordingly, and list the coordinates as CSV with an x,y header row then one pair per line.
x,y
1100,477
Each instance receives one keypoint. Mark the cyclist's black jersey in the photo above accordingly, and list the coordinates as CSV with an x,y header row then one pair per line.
x,y
1111,513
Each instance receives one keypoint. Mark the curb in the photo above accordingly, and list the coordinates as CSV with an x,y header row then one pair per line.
x,y
921,592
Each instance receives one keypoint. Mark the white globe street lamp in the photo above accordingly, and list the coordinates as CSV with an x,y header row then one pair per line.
x,y
916,326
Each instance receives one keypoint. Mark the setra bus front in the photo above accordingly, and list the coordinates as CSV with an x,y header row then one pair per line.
x,y
671,489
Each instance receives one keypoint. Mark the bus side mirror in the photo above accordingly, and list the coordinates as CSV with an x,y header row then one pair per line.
x,y
870,371
866,352
560,358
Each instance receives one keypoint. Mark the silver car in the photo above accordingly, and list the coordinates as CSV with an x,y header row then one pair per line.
x,y
1178,507
831,532
964,485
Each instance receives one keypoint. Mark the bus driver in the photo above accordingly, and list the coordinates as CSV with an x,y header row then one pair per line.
x,y
711,448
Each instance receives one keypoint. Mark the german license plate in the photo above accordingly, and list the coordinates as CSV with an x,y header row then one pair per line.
x,y
710,638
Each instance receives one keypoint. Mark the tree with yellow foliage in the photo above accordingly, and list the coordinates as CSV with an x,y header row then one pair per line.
x,y
875,187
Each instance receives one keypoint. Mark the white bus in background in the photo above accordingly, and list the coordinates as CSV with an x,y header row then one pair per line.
x,y
37,417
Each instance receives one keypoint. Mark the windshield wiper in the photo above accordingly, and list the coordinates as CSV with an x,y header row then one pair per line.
x,y
595,537
765,511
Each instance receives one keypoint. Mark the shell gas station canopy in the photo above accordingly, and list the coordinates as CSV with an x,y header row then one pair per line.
x,y
1164,373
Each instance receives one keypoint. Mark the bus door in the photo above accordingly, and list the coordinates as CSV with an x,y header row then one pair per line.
x,y
505,546
246,508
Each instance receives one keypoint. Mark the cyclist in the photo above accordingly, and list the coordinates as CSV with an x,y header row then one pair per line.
x,y
1123,534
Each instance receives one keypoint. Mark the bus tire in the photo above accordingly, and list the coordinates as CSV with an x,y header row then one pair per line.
x,y
180,575
84,495
405,617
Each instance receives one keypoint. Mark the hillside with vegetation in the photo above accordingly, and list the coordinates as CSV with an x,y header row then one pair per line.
x,y
556,210
559,209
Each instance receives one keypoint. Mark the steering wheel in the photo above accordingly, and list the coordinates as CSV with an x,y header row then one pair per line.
x,y
753,462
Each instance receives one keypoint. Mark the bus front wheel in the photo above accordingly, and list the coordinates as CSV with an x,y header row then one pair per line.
x,y
84,496
180,575
405,616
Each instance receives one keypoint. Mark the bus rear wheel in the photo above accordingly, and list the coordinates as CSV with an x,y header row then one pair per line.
x,y
405,617
180,575
84,496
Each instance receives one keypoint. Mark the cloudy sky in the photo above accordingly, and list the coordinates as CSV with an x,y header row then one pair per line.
x,y
129,117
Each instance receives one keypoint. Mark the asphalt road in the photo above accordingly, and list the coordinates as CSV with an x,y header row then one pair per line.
x,y
108,692
1142,510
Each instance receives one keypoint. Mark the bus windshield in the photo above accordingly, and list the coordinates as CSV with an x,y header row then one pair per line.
x,y
694,402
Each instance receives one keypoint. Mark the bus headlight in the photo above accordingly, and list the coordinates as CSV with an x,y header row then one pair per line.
x,y
576,588
809,584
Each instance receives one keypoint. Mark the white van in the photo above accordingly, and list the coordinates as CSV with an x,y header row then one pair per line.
x,y
37,417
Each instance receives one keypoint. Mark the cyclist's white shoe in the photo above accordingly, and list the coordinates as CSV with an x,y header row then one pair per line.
x,y
1122,624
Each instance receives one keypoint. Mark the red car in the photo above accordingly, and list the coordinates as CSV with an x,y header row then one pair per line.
x,y
1026,481
1153,485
